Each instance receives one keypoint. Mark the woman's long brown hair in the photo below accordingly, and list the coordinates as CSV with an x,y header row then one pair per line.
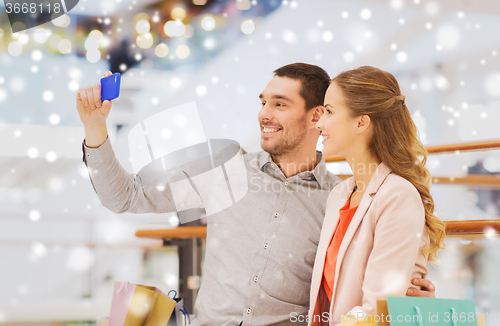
x,y
374,92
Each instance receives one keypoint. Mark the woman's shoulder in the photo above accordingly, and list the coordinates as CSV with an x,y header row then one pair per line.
x,y
395,187
395,181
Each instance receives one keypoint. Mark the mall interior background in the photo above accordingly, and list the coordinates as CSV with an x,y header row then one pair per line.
x,y
60,250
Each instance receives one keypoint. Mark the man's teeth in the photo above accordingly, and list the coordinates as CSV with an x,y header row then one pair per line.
x,y
267,129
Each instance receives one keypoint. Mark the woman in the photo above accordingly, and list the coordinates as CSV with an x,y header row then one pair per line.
x,y
379,229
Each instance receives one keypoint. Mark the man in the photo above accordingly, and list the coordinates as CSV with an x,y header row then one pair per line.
x,y
260,251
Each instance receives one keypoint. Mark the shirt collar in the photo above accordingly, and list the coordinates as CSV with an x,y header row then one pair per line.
x,y
320,172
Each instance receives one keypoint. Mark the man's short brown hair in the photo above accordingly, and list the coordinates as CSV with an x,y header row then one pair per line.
x,y
315,81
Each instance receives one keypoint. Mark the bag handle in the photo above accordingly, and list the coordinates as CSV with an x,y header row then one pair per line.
x,y
175,294
419,313
124,284
185,313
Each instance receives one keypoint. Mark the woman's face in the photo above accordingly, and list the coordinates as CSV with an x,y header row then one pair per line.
x,y
338,128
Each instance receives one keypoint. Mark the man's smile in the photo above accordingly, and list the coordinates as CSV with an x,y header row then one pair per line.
x,y
268,131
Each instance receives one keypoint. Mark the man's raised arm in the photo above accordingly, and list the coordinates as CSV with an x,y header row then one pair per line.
x,y
118,190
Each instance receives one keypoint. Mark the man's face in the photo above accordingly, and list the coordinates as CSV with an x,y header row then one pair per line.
x,y
283,117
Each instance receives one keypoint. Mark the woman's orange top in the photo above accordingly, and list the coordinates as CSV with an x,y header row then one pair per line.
x,y
345,217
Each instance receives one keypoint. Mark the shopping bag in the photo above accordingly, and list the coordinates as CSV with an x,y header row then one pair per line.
x,y
139,305
426,311
181,314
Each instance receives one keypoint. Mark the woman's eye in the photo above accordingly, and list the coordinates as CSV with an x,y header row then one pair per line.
x,y
262,104
328,111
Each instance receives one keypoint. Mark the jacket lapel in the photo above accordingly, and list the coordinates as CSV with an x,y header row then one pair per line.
x,y
342,192
376,181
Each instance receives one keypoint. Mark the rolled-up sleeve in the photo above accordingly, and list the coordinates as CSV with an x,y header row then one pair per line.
x,y
119,190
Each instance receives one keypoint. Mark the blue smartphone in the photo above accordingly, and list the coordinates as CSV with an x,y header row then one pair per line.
x,y
110,87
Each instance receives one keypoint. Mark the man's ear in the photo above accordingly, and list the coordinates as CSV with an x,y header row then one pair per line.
x,y
317,112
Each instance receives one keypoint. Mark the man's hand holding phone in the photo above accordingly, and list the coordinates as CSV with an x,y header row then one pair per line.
x,y
93,113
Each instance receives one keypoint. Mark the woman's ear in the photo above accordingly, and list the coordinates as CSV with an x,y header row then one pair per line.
x,y
317,112
364,122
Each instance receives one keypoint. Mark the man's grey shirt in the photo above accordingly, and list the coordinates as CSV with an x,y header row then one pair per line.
x,y
260,251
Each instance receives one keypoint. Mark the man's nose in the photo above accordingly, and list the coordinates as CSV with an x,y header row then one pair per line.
x,y
265,113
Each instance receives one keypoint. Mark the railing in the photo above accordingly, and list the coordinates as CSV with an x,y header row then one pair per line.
x,y
473,228
443,149
462,229
183,232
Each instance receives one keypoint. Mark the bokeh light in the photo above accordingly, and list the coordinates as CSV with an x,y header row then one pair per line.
x,y
38,250
48,96
441,82
182,51
144,41
209,43
73,85
54,119
201,90
176,82
97,34
61,21
91,43
41,35
80,259
64,46
15,48
17,84
93,55
142,26
401,56
37,55
23,38
365,14
327,36
51,156
178,13
289,36
32,152
161,50
248,26
174,28
208,23
34,215
349,56
243,4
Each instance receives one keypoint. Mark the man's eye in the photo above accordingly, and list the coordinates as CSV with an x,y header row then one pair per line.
x,y
262,104
279,104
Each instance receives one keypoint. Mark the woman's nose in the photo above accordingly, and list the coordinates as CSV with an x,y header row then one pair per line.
x,y
319,125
